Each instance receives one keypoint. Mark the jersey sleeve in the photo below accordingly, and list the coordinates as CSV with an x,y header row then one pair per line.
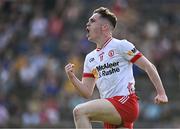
x,y
129,52
87,72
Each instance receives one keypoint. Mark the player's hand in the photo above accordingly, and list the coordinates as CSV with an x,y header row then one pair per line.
x,y
161,99
69,68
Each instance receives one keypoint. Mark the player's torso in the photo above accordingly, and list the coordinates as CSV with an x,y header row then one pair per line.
x,y
110,68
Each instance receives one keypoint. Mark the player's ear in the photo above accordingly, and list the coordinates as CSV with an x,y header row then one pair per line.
x,y
105,26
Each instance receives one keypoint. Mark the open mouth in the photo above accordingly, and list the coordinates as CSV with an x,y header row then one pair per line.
x,y
87,30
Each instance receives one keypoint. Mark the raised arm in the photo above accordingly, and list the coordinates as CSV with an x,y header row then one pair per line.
x,y
84,87
151,70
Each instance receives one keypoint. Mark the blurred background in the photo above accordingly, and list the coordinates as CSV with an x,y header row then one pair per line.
x,y
38,37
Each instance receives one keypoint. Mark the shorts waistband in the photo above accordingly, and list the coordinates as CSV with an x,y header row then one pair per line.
x,y
130,95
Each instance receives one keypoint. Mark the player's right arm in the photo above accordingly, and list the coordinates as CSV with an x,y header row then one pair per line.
x,y
84,87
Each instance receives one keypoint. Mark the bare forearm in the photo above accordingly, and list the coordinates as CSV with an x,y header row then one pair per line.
x,y
150,69
83,90
155,78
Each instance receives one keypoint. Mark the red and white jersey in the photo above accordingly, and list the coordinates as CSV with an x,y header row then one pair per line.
x,y
112,68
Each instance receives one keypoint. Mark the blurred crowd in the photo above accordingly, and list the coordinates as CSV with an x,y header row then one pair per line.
x,y
38,37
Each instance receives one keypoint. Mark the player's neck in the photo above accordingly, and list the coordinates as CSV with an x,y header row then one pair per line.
x,y
103,41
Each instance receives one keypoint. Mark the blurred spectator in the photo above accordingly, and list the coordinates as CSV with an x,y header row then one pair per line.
x,y
4,116
30,118
38,25
55,26
49,112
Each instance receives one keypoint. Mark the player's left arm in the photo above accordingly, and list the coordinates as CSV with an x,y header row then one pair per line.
x,y
152,72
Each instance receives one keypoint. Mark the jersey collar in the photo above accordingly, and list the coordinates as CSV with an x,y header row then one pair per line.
x,y
106,42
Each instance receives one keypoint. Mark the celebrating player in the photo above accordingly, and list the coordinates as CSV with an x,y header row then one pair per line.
x,y
109,67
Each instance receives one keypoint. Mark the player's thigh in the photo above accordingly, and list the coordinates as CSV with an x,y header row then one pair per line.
x,y
100,110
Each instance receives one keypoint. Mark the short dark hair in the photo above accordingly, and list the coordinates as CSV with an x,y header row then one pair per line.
x,y
107,14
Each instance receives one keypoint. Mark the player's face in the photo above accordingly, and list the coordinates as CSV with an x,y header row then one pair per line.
x,y
94,27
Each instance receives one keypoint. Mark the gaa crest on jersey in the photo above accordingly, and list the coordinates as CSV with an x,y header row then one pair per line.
x,y
111,53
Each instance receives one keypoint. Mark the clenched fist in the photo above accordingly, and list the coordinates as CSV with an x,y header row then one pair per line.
x,y
69,68
161,99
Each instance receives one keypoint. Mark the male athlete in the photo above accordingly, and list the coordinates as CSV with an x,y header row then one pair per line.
x,y
109,66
